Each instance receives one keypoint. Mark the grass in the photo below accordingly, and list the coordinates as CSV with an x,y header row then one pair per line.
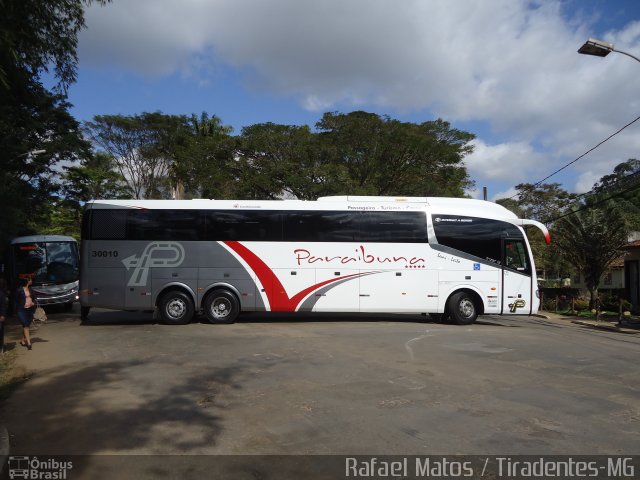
x,y
605,315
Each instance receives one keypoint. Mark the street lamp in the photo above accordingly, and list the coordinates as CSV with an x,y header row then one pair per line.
x,y
599,48
32,152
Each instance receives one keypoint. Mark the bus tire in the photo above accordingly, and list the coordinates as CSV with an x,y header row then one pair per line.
x,y
221,306
462,308
84,313
176,308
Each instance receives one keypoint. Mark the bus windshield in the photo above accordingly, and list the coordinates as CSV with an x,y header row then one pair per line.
x,y
47,263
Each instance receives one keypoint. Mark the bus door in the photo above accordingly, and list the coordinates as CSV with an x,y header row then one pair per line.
x,y
516,277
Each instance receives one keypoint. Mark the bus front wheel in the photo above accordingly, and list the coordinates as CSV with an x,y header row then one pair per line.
x,y
176,308
221,306
462,308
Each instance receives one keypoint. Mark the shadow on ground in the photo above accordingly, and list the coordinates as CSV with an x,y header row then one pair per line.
x,y
116,407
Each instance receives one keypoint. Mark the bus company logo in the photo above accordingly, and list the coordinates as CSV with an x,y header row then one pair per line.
x,y
36,469
453,220
155,254
519,303
304,256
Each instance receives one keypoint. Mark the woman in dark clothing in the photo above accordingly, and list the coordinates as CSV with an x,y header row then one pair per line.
x,y
25,306
3,311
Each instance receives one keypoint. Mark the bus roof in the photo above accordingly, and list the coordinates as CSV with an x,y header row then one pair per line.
x,y
471,206
438,205
42,239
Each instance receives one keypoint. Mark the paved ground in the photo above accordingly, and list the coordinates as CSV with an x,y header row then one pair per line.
x,y
350,385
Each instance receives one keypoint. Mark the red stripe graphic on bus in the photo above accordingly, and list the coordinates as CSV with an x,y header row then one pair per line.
x,y
278,298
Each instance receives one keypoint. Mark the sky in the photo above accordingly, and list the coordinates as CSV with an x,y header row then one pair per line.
x,y
507,71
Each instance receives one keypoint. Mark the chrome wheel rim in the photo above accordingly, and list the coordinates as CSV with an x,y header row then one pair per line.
x,y
221,308
176,308
466,307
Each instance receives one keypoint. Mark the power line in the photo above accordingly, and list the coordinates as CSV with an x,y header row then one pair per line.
x,y
584,154
619,183
591,205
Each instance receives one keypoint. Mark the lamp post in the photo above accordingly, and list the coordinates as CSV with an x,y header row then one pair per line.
x,y
599,48
32,152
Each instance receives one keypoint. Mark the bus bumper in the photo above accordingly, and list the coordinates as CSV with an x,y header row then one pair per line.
x,y
59,295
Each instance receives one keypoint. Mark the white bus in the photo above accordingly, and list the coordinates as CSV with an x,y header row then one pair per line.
x,y
450,257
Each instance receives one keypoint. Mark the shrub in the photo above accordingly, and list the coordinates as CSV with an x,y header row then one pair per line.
x,y
581,304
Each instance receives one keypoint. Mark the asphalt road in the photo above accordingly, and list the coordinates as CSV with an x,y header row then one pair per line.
x,y
324,385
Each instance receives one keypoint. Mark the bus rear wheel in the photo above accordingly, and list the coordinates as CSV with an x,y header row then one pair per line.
x,y
176,308
221,306
462,308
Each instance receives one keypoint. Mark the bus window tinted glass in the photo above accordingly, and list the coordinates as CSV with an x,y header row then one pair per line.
x,y
515,256
47,263
108,224
400,227
249,226
480,237
182,225
321,226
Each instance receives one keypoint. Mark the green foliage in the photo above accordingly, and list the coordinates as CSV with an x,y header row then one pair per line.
x,y
581,304
591,238
383,156
277,160
64,219
33,119
544,203
34,37
143,148
356,153
623,183
204,159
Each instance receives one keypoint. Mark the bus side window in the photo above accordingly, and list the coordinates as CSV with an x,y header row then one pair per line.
x,y
394,227
107,224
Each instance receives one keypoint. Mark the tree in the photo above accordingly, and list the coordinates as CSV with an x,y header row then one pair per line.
x,y
33,120
591,237
623,183
34,37
285,160
94,178
356,153
203,161
388,157
143,148
544,202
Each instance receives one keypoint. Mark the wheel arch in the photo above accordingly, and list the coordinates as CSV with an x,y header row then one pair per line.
x,y
477,298
182,287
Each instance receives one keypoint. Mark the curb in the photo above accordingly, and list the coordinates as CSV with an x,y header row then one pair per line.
x,y
4,447
609,328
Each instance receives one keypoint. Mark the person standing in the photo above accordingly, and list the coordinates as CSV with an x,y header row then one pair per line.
x,y
3,311
25,307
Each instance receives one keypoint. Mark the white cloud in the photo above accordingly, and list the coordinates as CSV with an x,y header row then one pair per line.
x,y
511,64
509,193
506,161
